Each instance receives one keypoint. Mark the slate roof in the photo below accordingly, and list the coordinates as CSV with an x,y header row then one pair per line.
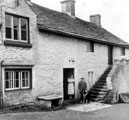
x,y
61,23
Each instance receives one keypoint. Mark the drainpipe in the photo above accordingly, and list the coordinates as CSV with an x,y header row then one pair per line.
x,y
1,86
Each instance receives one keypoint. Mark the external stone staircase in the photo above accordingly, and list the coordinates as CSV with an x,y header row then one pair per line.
x,y
99,90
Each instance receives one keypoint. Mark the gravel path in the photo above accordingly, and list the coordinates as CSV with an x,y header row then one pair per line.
x,y
115,112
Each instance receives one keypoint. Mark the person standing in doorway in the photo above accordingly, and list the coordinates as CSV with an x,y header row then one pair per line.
x,y
71,86
82,86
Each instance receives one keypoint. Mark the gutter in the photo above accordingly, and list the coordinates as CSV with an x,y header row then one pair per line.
x,y
1,85
80,36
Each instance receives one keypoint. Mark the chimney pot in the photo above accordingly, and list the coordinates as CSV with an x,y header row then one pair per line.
x,y
68,7
96,19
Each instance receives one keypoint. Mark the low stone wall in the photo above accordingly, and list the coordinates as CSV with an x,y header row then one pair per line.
x,y
118,79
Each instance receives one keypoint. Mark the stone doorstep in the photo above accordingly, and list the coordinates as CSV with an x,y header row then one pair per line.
x,y
49,100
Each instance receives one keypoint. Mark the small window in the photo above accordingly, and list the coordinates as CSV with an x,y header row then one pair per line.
x,y
123,51
91,77
90,47
17,79
17,28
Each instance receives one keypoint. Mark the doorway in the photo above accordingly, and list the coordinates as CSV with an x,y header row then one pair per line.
x,y
110,55
68,73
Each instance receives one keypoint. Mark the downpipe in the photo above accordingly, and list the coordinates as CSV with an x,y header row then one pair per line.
x,y
1,86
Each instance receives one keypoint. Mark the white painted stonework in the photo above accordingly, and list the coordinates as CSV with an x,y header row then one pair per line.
x,y
50,53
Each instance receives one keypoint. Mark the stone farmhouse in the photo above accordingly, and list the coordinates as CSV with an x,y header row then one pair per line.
x,y
41,48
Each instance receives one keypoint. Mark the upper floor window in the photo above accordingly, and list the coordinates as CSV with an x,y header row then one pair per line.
x,y
123,51
17,28
90,47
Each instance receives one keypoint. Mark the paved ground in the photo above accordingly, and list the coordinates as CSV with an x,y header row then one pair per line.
x,y
115,112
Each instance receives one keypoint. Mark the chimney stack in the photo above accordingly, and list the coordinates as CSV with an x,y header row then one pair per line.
x,y
68,7
96,19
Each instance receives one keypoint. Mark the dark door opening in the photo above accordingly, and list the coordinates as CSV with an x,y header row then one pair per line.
x,y
68,73
110,55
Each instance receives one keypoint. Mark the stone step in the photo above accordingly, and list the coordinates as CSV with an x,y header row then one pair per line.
x,y
100,83
99,89
100,86
97,99
98,93
103,77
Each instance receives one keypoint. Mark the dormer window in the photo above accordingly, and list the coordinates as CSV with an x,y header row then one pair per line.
x,y
17,28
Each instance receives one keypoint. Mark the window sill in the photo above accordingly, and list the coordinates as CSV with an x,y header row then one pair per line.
x,y
17,44
14,90
90,51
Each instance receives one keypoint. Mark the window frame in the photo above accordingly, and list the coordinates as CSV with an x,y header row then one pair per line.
x,y
91,77
20,70
19,29
90,46
25,80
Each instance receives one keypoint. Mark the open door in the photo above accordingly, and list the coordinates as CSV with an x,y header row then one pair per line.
x,y
110,55
68,73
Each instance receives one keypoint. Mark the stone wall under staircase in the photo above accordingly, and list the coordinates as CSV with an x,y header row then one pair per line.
x,y
99,90
118,82
113,83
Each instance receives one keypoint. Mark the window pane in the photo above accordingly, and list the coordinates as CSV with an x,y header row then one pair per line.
x,y
23,23
9,79
16,79
23,35
25,79
23,75
8,26
123,51
89,77
15,22
16,34
8,33
8,20
90,47
6,75
92,78
7,84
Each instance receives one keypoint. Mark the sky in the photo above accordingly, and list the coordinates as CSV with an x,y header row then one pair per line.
x,y
114,13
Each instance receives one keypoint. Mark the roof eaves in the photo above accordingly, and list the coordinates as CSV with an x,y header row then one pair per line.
x,y
80,36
